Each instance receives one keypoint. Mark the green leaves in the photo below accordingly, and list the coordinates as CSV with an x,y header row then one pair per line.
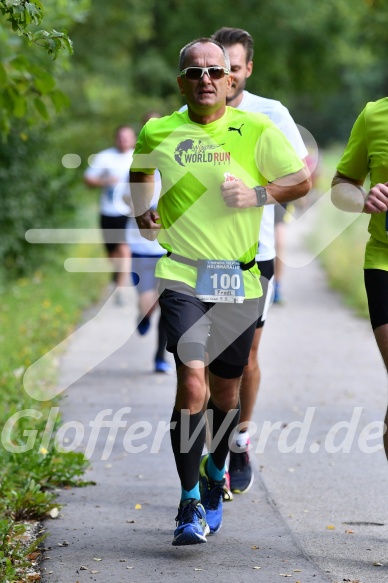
x,y
27,76
28,91
52,41
22,14
3,76
41,108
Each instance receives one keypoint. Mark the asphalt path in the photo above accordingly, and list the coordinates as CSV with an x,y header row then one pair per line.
x,y
317,509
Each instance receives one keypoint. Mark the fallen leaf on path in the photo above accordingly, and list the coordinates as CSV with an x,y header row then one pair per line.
x,y
131,521
94,572
34,555
349,531
255,547
285,575
330,527
377,564
82,568
256,567
297,571
96,559
54,512
198,569
138,506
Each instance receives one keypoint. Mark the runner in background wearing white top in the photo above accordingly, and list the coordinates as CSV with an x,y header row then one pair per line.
x,y
239,44
109,170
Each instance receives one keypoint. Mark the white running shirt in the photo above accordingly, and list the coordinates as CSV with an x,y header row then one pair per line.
x,y
280,116
112,162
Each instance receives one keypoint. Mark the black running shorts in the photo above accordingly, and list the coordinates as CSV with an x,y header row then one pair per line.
x,y
113,231
223,331
376,285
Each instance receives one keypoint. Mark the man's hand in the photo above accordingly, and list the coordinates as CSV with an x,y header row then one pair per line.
x,y
377,199
148,226
237,194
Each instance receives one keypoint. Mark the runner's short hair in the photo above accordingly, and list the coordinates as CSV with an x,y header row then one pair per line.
x,y
232,36
186,49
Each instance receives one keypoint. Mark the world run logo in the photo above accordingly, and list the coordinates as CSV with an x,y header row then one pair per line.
x,y
197,152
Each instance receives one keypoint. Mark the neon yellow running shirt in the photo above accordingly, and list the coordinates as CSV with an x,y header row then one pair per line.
x,y
367,152
193,159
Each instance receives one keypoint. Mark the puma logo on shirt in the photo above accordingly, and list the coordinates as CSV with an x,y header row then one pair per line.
x,y
232,129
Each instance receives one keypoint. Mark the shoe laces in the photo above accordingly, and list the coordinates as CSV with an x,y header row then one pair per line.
x,y
214,493
187,513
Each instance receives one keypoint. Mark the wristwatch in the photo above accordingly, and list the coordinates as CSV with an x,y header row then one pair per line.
x,y
261,195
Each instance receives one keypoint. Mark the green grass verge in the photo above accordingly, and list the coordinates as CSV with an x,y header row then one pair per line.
x,y
37,313
343,259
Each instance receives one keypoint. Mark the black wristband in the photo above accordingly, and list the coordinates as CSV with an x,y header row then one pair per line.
x,y
261,195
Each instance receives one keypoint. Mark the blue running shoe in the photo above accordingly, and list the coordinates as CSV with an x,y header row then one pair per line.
x,y
162,366
191,527
277,296
211,497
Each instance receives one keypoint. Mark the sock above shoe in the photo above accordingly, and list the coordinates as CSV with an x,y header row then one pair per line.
x,y
241,439
212,471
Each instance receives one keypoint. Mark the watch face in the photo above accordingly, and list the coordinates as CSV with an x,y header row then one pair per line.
x,y
261,195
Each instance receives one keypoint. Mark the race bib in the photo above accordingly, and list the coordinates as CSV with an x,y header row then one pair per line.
x,y
220,280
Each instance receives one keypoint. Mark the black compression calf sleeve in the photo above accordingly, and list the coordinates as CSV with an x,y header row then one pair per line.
x,y
222,424
188,439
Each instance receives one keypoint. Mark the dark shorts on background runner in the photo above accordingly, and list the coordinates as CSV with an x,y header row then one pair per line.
x,y
113,230
376,285
267,269
188,322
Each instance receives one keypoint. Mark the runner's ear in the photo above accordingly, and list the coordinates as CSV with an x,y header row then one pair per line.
x,y
180,84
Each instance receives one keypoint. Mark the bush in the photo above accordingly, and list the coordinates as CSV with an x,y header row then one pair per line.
x,y
35,192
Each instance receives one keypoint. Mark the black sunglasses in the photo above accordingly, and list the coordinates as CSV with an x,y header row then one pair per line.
x,y
196,73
